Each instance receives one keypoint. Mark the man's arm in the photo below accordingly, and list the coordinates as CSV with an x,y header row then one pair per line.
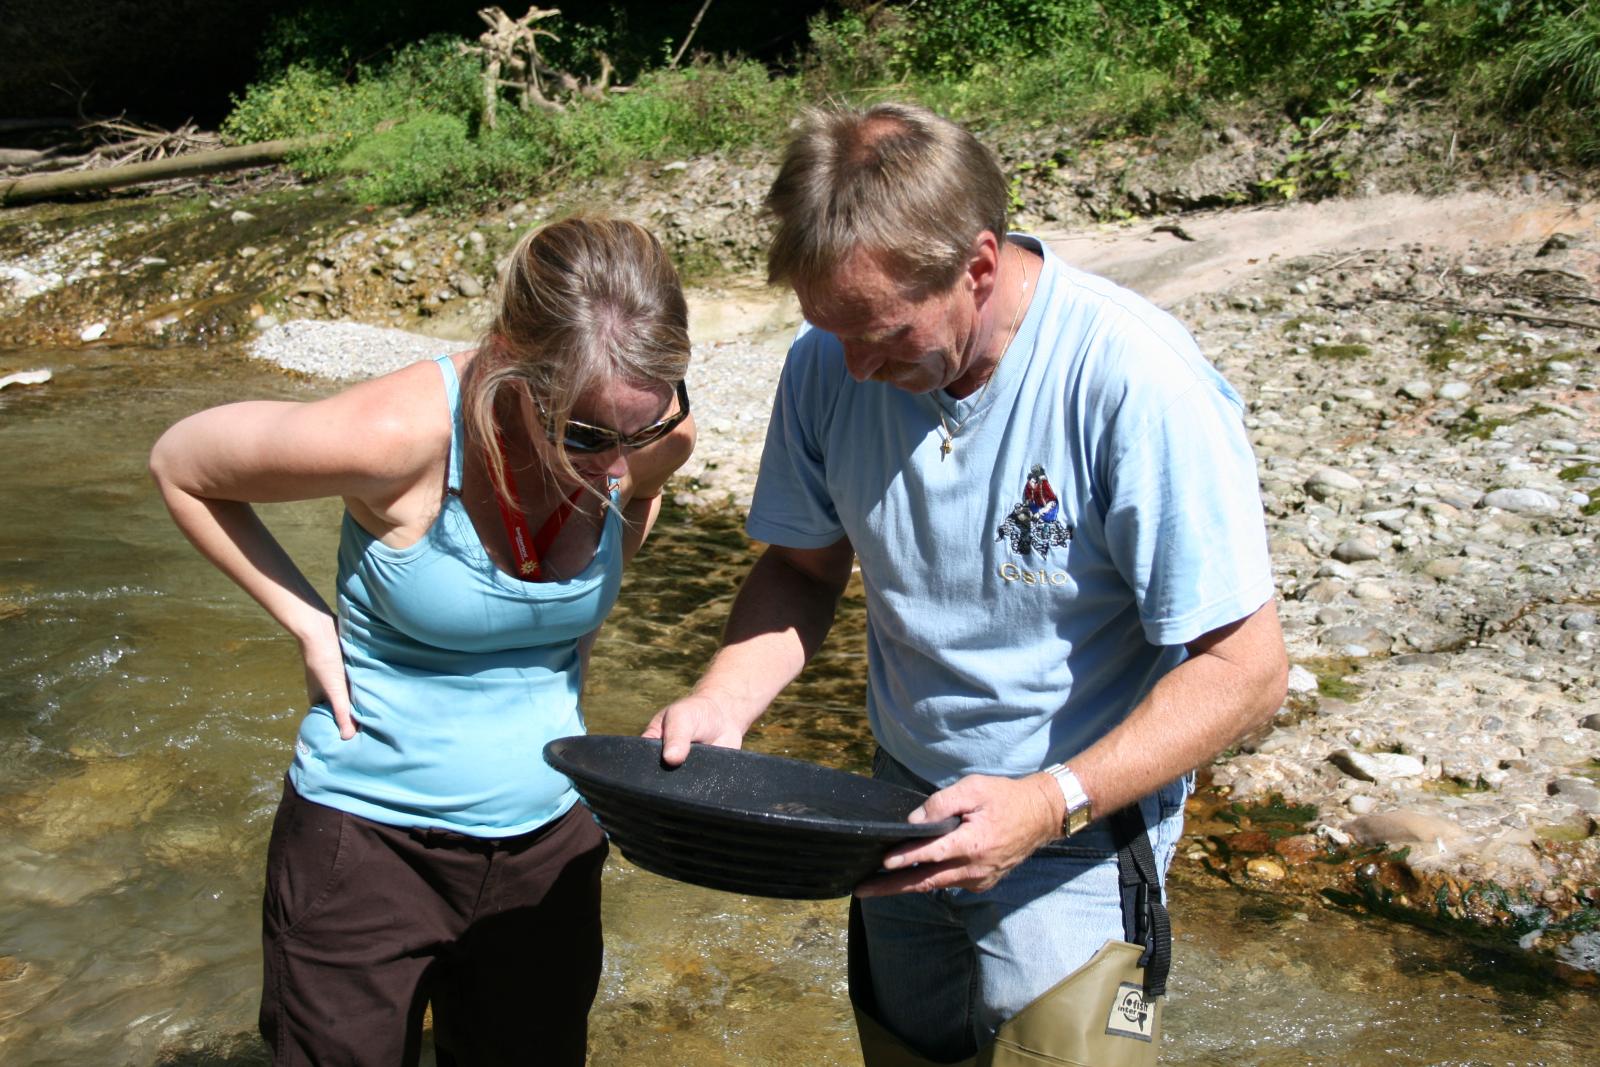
x,y
1234,680
778,621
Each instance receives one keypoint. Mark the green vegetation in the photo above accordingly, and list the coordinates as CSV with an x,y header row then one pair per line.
x,y
1526,378
1474,424
1516,76
1350,351
1334,674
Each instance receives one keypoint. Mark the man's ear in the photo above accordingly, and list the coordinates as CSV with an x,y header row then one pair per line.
x,y
983,265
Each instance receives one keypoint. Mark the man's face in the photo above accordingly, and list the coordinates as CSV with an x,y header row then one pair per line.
x,y
918,345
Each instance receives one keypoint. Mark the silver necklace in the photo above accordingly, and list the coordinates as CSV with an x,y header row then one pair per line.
x,y
949,443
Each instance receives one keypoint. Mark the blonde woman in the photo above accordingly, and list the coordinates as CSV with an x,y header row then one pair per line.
x,y
423,851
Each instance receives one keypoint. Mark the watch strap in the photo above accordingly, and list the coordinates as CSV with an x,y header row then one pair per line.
x,y
1079,812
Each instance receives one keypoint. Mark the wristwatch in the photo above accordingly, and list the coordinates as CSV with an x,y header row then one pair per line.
x,y
1080,812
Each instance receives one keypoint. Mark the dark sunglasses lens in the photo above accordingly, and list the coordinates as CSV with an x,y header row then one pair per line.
x,y
581,438
652,433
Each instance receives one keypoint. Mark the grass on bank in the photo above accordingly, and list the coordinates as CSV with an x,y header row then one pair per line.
x,y
1518,76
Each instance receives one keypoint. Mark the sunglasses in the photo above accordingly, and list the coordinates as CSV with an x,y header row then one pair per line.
x,y
586,437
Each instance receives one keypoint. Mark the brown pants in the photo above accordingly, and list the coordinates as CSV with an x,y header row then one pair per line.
x,y
364,924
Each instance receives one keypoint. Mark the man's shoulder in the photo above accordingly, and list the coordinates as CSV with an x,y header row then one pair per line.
x,y
1114,333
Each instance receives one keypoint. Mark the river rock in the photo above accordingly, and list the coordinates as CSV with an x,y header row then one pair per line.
x,y
1329,482
1361,804
1520,501
1303,681
1582,952
1455,391
1357,549
1394,828
1377,766
1579,791
1444,569
1264,869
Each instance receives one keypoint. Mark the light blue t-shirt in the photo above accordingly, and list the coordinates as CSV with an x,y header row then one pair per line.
x,y
459,674
1099,509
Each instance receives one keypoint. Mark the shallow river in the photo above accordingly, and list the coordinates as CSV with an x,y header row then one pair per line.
x,y
147,711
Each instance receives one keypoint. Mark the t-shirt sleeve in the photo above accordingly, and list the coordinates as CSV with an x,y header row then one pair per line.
x,y
1185,524
792,505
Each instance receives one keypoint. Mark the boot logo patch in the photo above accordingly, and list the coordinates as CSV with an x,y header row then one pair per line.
x,y
1131,1015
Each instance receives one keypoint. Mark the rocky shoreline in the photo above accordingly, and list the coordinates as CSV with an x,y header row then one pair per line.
x,y
1426,414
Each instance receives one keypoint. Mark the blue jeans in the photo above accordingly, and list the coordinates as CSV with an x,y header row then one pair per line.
x,y
948,967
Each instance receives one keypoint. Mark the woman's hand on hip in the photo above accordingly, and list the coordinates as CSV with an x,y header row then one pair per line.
x,y
326,682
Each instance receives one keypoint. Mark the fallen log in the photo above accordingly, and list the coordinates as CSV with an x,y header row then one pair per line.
x,y
22,157
45,186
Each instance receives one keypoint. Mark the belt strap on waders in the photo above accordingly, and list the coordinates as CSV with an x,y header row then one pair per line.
x,y
1144,915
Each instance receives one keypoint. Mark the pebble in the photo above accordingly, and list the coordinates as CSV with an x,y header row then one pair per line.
x,y
344,351
1377,766
1522,501
1580,791
92,332
1455,391
26,377
1264,869
1328,482
1303,681
1357,549
467,285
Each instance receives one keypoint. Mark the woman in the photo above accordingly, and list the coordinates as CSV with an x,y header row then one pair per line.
x,y
423,851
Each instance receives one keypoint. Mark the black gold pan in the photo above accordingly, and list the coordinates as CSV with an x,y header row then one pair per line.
x,y
740,821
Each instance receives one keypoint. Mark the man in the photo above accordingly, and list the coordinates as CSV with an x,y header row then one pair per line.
x,y
1038,673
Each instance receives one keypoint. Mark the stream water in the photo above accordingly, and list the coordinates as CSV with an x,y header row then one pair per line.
x,y
147,711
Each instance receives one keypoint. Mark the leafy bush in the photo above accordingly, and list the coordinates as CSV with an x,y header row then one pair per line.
x,y
701,108
1555,74
409,128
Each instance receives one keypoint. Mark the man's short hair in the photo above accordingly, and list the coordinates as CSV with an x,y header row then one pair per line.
x,y
894,179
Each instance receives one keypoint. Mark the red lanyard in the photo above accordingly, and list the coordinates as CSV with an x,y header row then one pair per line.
x,y
529,547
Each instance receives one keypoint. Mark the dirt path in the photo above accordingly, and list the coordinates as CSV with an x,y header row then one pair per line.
x,y
1230,246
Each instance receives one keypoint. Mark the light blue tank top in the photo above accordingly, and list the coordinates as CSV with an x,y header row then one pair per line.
x,y
459,674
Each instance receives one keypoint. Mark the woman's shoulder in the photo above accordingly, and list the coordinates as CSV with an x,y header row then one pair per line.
x,y
396,425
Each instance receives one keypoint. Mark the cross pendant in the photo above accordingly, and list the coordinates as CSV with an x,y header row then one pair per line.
x,y
944,449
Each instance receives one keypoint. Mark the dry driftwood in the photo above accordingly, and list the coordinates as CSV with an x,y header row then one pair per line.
x,y
693,26
45,186
509,51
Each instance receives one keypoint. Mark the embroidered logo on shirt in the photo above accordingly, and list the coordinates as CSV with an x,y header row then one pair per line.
x,y
1033,527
